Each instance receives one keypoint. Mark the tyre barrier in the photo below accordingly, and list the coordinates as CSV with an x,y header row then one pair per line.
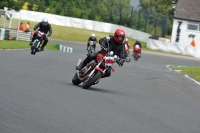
x,y
64,48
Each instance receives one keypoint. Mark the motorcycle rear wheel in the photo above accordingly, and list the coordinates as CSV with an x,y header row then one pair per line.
x,y
92,81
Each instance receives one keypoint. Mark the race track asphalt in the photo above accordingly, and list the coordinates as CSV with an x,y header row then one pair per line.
x,y
37,95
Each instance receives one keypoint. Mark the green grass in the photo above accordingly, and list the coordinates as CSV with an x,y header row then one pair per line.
x,y
193,71
66,33
21,45
72,34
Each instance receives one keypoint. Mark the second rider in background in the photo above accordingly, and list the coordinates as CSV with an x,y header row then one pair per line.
x,y
45,27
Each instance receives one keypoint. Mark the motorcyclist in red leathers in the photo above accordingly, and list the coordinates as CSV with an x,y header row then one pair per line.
x,y
113,43
137,43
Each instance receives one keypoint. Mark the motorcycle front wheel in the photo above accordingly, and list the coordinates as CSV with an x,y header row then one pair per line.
x,y
92,81
34,48
136,57
76,80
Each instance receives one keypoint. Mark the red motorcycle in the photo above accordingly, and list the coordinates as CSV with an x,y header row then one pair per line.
x,y
94,70
136,52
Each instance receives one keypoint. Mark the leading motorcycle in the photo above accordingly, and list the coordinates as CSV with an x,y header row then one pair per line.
x,y
36,45
95,70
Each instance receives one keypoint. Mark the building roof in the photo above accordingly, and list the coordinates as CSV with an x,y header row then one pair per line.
x,y
188,10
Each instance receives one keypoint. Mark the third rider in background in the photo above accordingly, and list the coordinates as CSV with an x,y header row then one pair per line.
x,y
138,43
92,38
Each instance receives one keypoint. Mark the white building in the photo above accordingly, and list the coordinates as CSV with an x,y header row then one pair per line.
x,y
186,25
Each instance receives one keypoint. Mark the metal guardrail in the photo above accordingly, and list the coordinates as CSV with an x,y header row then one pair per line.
x,y
20,35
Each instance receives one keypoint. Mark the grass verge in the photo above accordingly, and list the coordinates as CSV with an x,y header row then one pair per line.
x,y
69,33
192,71
21,45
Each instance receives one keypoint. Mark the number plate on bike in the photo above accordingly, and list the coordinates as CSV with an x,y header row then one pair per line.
x,y
91,43
109,61
40,34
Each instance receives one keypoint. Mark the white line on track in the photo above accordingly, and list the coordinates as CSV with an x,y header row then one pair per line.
x,y
192,79
168,67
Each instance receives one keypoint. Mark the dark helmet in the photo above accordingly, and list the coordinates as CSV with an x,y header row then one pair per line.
x,y
137,41
119,36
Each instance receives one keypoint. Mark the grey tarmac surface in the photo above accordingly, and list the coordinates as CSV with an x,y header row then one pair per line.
x,y
37,96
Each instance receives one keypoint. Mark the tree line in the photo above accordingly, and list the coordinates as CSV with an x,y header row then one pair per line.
x,y
112,11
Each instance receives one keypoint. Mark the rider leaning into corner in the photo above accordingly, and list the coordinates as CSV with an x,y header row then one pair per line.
x,y
45,27
116,45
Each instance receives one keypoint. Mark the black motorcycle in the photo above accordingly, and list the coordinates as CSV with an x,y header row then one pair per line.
x,y
91,47
36,45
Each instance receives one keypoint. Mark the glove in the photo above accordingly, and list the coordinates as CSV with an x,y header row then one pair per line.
x,y
48,35
120,62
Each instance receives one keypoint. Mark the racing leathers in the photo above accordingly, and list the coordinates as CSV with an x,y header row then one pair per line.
x,y
94,39
108,43
43,28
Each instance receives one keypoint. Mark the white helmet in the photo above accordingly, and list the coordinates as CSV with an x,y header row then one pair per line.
x,y
93,35
44,21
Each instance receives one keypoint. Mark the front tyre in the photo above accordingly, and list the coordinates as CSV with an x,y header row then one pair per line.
x,y
128,59
92,81
33,51
76,80
34,47
136,57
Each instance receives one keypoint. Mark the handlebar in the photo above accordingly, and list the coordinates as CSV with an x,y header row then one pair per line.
x,y
40,31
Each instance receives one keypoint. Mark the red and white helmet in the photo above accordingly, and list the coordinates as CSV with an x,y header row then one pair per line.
x,y
119,36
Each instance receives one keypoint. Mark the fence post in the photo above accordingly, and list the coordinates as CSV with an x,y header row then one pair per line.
x,y
155,24
146,19
130,22
164,26
138,24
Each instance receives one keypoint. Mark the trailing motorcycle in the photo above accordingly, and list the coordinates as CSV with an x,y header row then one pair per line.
x,y
136,52
91,47
94,70
36,45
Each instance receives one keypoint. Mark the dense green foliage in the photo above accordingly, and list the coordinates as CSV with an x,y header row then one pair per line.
x,y
155,15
